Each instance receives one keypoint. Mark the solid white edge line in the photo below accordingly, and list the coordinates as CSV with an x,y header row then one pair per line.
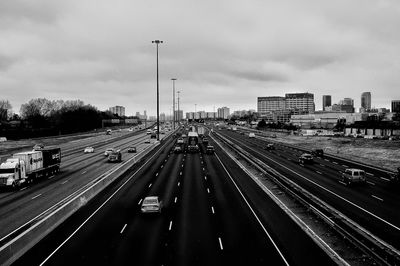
x,y
371,183
175,199
170,226
123,228
251,209
84,172
384,178
64,182
212,209
208,191
140,201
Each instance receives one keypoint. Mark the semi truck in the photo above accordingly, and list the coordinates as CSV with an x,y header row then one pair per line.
x,y
201,131
26,167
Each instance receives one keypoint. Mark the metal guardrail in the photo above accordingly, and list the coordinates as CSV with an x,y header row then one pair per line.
x,y
380,251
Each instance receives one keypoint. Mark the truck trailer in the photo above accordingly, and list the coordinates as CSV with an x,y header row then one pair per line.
x,y
26,167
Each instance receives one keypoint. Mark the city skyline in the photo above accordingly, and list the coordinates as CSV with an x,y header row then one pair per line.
x,y
252,50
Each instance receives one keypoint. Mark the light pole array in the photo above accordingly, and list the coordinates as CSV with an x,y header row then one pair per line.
x,y
173,100
157,42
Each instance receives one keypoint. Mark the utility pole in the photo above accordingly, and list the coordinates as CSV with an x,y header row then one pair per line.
x,y
157,42
178,116
173,100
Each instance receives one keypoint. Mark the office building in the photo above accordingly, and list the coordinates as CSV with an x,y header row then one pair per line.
x,y
326,101
304,102
271,103
366,101
178,115
118,110
223,112
395,106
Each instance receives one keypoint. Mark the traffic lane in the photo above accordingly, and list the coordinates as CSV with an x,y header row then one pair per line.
x,y
363,209
96,240
296,246
193,239
145,237
371,197
244,241
21,206
381,190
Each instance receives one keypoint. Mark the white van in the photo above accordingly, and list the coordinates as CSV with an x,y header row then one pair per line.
x,y
252,135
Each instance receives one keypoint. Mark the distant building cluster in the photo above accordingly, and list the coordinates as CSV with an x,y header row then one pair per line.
x,y
299,109
141,116
117,110
222,113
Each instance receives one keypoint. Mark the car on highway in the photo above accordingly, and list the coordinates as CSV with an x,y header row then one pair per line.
x,y
151,204
177,149
353,175
270,146
109,151
306,158
38,147
108,132
147,141
252,135
153,135
179,141
115,156
210,149
318,152
149,131
132,149
205,141
88,150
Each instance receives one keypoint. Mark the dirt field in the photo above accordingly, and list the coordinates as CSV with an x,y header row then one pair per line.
x,y
382,153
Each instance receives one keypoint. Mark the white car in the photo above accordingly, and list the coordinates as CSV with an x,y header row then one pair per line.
x,y
88,150
151,204
109,151
252,135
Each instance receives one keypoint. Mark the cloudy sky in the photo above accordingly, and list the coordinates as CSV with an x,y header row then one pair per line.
x,y
223,52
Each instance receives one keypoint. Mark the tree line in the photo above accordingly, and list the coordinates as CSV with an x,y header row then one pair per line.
x,y
42,117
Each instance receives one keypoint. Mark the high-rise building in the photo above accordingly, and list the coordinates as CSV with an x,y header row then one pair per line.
x,y
178,115
118,110
347,105
326,101
366,100
223,112
395,106
271,103
300,101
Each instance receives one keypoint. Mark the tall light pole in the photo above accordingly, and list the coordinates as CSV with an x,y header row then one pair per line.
x,y
178,106
157,42
173,99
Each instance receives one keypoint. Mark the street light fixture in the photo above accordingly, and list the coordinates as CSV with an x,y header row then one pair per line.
x,y
173,100
157,42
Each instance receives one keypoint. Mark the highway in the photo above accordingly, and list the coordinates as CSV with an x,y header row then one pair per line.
x,y
77,169
374,206
213,214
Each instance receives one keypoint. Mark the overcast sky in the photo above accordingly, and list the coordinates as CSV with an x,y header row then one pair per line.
x,y
223,53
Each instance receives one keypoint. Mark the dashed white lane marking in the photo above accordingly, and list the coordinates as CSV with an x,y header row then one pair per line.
x,y
150,185
162,166
83,172
175,199
323,165
220,243
182,165
156,174
319,172
384,178
205,178
179,184
335,162
180,173
289,159
170,226
123,228
23,188
203,169
64,182
378,198
370,174
371,183
140,201
212,209
36,196
326,160
345,166
341,182
208,191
